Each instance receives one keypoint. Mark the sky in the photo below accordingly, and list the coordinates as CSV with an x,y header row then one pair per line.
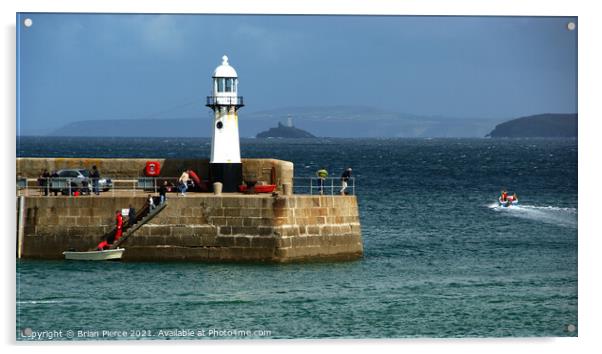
x,y
74,67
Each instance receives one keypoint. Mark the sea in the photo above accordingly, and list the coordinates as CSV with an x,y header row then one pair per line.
x,y
441,258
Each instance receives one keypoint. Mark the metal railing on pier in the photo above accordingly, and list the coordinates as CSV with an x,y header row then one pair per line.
x,y
66,186
55,186
324,186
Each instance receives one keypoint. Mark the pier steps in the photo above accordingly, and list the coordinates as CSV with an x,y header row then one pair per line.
x,y
143,217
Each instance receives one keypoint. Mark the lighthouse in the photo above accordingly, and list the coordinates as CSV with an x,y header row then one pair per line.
x,y
225,165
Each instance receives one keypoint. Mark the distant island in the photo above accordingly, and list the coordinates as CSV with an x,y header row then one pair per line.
x,y
283,131
547,125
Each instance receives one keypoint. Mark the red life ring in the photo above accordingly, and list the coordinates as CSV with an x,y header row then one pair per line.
x,y
152,169
194,177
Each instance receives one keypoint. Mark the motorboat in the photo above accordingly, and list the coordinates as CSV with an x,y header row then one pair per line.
x,y
510,201
105,255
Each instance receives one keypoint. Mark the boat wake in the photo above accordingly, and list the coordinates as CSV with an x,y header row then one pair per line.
x,y
566,217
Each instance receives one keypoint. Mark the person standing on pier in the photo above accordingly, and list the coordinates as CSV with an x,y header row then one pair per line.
x,y
131,216
322,175
184,178
345,179
95,176
162,192
43,181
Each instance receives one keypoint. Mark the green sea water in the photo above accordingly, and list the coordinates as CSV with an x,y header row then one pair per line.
x,y
440,258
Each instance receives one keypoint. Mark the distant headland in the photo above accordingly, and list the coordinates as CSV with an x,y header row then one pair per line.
x,y
284,131
342,121
358,122
549,125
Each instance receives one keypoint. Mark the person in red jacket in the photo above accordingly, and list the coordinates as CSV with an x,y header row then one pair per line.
x,y
119,221
113,237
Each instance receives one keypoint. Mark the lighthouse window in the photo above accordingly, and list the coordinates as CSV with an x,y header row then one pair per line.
x,y
220,84
229,85
219,125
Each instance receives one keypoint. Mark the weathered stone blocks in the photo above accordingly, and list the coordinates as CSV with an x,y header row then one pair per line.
x,y
232,227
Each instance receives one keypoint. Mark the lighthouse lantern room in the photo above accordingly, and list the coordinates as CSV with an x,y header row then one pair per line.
x,y
225,165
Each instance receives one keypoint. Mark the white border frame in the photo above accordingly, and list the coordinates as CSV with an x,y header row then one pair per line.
x,y
589,23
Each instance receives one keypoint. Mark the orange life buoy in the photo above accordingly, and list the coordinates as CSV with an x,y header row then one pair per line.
x,y
194,177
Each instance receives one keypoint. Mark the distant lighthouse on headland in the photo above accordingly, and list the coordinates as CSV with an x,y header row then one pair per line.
x,y
225,165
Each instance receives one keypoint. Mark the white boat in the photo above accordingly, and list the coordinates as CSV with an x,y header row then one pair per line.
x,y
510,201
94,255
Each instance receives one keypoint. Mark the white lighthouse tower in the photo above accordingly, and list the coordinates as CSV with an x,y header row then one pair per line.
x,y
225,165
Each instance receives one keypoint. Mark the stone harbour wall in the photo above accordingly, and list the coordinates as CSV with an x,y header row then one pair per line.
x,y
55,224
204,227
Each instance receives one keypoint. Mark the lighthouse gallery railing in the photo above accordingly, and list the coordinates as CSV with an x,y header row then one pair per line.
x,y
213,101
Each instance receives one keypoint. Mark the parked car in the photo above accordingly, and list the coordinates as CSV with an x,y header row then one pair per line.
x,y
80,178
104,184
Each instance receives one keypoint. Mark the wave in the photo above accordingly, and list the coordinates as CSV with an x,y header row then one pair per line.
x,y
560,216
35,302
127,301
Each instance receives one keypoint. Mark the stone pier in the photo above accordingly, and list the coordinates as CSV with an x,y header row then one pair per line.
x,y
203,227
231,227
